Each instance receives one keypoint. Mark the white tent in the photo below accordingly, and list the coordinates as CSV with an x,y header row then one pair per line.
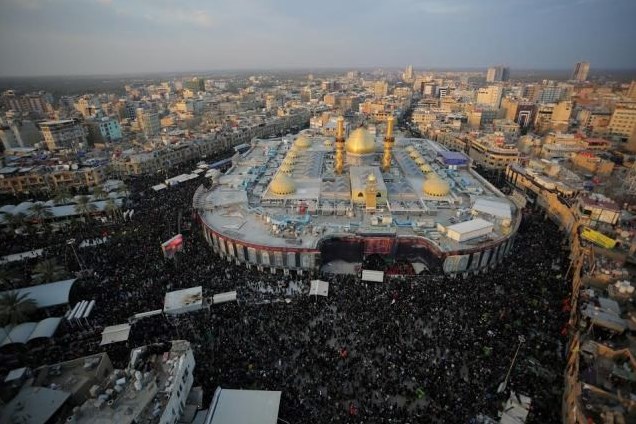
x,y
183,301
375,276
20,256
497,208
147,314
319,288
159,187
46,295
224,297
243,407
20,333
45,328
115,334
469,230
28,331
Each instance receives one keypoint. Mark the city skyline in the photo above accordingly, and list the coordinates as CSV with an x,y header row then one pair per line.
x,y
102,37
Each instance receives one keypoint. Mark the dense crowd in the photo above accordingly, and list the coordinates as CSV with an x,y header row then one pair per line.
x,y
425,348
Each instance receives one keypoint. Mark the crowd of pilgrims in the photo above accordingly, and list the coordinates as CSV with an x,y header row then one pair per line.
x,y
425,348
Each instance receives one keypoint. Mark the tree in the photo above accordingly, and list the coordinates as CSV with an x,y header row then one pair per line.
x,y
15,308
6,278
17,220
112,209
48,271
62,195
40,212
84,206
100,193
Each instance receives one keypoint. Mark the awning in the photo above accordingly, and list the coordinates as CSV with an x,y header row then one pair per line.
x,y
182,301
20,333
115,334
45,295
244,407
45,328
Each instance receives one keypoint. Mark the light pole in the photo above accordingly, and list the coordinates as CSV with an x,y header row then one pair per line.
x,y
71,242
503,384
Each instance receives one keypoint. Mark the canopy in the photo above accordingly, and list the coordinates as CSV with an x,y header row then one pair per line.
x,y
20,333
46,295
224,297
319,288
147,314
20,256
243,407
45,328
115,334
28,331
183,301
497,208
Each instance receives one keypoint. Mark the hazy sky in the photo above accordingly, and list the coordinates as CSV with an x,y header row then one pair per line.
x,y
61,37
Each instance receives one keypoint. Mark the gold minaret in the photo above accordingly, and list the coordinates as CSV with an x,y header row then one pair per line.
x,y
370,193
388,144
340,142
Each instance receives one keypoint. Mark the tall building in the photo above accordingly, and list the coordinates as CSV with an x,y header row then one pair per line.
x,y
490,96
408,74
580,72
380,88
561,115
148,122
497,73
549,94
623,121
195,84
631,92
110,129
19,133
67,133
38,103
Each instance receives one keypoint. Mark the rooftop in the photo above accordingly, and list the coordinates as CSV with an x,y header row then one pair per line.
x,y
242,205
139,393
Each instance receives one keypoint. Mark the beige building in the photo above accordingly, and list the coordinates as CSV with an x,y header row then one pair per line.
x,y
380,88
631,91
561,115
490,96
148,122
592,163
493,151
62,134
580,72
47,179
623,121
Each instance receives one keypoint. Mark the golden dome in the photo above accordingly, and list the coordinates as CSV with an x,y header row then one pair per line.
x,y
426,168
435,186
289,161
282,185
414,154
303,142
409,148
328,142
419,160
292,154
360,142
286,168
